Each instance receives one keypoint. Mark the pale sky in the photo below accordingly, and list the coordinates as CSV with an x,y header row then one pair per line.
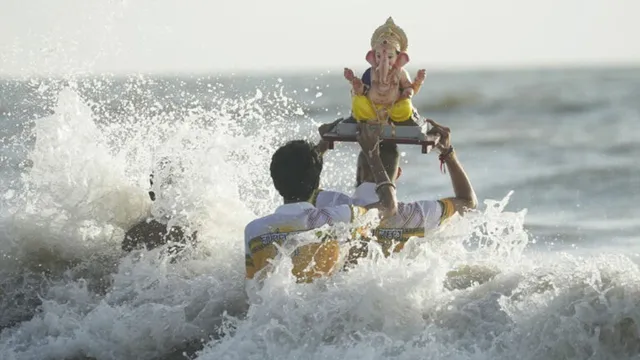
x,y
59,36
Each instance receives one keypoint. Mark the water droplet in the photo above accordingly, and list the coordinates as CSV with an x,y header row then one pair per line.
x,y
9,195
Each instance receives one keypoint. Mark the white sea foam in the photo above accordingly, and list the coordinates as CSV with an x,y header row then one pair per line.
x,y
468,292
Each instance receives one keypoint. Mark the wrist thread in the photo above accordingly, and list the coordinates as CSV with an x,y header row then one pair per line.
x,y
443,157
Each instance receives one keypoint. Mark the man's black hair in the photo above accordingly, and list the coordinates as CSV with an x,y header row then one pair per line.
x,y
295,170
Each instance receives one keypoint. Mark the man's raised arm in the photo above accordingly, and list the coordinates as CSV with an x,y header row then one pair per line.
x,y
465,197
369,137
323,145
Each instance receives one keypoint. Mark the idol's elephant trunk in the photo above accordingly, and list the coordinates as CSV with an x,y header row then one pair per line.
x,y
383,68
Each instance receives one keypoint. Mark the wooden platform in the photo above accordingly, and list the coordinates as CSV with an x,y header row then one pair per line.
x,y
411,133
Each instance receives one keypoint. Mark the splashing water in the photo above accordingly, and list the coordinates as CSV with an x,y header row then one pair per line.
x,y
470,291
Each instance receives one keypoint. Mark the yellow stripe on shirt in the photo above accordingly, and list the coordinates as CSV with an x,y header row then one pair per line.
x,y
357,211
314,197
448,209
309,261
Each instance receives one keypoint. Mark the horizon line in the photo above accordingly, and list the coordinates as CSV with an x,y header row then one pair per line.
x,y
622,65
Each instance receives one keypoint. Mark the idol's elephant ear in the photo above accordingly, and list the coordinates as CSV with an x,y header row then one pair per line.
x,y
371,57
401,60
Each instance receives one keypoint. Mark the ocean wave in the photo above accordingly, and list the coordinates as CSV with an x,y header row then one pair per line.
x,y
477,289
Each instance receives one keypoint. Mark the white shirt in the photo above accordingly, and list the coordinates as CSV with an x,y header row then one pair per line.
x,y
412,219
290,219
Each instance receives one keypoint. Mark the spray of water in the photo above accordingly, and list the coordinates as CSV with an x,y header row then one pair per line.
x,y
470,291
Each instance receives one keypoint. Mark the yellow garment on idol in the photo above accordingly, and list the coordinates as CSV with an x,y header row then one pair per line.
x,y
363,109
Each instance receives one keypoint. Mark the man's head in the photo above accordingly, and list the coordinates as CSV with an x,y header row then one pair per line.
x,y
166,170
390,160
295,170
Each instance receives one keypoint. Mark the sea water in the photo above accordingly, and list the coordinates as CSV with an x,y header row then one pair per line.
x,y
546,268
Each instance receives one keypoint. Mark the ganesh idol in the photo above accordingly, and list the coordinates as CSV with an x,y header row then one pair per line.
x,y
384,93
